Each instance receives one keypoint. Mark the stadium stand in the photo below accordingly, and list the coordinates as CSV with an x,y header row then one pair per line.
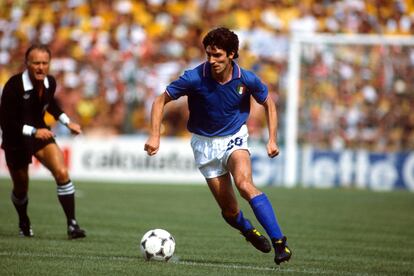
x,y
111,58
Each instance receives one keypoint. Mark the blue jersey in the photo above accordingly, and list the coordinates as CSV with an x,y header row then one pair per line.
x,y
217,109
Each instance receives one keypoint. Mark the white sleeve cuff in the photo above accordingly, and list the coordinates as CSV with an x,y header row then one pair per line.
x,y
64,119
28,130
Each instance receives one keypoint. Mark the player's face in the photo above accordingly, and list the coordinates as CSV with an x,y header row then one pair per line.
x,y
218,59
38,64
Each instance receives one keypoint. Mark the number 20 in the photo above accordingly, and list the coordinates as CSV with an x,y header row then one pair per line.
x,y
238,141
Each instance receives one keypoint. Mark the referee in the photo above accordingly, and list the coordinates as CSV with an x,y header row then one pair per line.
x,y
25,99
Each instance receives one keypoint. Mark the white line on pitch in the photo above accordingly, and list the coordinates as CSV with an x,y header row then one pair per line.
x,y
248,267
175,261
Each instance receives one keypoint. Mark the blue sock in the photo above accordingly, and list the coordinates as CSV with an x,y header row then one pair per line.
x,y
263,210
239,222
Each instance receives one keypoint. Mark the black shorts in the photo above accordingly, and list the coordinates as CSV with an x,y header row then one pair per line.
x,y
20,157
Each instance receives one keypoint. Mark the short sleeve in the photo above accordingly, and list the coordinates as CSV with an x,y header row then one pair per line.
x,y
257,88
180,86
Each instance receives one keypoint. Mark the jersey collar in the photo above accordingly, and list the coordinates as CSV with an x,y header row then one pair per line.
x,y
27,83
236,70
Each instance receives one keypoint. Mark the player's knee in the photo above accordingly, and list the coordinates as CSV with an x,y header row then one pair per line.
x,y
61,175
20,187
247,190
20,192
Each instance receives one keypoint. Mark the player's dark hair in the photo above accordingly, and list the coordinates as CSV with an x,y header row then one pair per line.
x,y
37,46
222,38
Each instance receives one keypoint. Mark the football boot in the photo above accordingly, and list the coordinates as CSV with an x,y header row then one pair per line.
x,y
25,229
259,241
74,231
282,251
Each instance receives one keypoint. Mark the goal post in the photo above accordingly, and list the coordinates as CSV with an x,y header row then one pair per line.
x,y
298,44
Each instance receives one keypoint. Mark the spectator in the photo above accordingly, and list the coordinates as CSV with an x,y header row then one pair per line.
x,y
112,56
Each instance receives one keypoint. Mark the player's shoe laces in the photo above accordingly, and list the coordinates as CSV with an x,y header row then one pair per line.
x,y
259,241
74,231
282,251
25,230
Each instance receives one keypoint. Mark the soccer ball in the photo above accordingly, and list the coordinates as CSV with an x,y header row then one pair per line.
x,y
158,245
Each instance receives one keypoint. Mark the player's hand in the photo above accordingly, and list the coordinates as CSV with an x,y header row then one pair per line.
x,y
44,134
152,145
272,149
74,128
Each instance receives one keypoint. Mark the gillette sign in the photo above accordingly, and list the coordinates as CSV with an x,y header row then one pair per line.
x,y
361,169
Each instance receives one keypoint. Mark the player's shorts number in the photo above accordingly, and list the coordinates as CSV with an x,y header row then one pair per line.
x,y
238,141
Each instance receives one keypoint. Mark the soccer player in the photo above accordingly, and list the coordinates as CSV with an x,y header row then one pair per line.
x,y
25,98
219,103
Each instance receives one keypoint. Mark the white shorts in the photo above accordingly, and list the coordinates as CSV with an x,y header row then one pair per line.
x,y
211,153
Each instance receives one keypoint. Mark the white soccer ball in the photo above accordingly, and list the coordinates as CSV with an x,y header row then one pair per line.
x,y
158,245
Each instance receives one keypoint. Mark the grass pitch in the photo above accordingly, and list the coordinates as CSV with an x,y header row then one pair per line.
x,y
331,232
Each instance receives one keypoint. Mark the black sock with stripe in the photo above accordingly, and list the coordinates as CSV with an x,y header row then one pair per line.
x,y
66,195
20,204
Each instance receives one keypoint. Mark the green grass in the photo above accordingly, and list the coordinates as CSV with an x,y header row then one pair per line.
x,y
331,232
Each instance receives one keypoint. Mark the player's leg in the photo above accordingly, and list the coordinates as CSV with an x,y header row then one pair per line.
x,y
52,158
209,158
240,167
20,199
218,179
222,190
18,161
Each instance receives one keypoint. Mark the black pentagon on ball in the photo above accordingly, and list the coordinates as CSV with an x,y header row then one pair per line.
x,y
149,256
160,253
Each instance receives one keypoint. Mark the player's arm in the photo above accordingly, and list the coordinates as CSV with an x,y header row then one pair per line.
x,y
272,122
72,126
10,117
261,95
54,109
64,119
153,143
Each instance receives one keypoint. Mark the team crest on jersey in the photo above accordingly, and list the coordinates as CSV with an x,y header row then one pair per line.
x,y
241,89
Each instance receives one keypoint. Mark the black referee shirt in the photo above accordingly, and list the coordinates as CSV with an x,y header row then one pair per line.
x,y
21,105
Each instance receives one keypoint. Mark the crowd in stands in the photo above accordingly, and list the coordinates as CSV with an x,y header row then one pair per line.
x,y
359,97
111,58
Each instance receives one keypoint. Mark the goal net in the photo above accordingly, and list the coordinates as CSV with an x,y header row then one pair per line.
x,y
349,92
